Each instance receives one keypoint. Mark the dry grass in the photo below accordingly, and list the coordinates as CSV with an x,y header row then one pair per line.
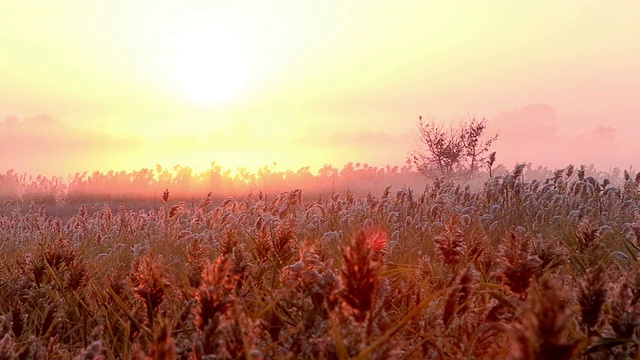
x,y
521,269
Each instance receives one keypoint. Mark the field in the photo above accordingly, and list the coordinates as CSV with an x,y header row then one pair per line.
x,y
515,267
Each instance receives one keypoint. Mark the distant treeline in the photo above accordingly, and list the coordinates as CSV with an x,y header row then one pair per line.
x,y
185,184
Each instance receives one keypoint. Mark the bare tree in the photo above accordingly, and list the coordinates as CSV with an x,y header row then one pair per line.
x,y
452,152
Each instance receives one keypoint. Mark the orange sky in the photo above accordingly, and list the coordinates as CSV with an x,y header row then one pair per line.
x,y
129,84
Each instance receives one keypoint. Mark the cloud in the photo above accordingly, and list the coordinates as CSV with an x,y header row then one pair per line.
x,y
375,148
532,134
605,135
597,146
363,139
44,145
532,123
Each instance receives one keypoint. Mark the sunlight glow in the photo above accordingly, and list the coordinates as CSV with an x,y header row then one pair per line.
x,y
211,62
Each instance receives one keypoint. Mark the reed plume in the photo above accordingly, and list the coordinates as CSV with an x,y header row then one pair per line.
x,y
518,265
360,274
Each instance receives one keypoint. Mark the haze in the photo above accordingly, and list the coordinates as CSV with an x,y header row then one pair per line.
x,y
122,85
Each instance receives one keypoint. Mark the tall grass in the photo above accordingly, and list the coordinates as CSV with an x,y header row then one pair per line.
x,y
522,269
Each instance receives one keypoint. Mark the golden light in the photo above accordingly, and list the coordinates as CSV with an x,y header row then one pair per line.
x,y
210,62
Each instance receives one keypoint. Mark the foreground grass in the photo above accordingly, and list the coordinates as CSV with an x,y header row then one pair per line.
x,y
526,270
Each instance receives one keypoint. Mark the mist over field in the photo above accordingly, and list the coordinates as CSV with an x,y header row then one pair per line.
x,y
42,145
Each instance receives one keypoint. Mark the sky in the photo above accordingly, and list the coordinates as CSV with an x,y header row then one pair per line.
x,y
124,85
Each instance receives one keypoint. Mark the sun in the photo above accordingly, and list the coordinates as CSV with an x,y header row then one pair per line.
x,y
210,63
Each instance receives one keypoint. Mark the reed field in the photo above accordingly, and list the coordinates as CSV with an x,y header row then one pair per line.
x,y
514,266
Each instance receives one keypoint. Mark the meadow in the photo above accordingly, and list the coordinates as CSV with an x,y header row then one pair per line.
x,y
528,264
